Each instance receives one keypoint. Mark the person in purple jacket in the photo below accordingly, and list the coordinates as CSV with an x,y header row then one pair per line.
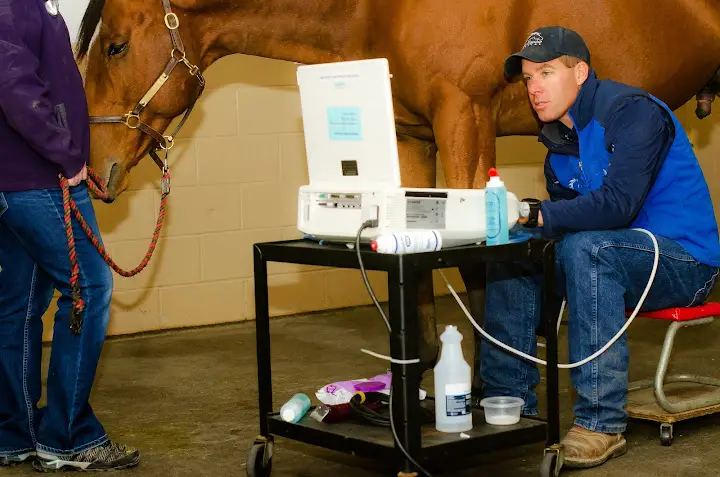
x,y
44,132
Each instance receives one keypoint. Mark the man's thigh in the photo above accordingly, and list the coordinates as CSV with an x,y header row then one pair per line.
x,y
627,256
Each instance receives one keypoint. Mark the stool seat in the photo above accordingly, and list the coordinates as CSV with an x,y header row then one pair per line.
x,y
705,310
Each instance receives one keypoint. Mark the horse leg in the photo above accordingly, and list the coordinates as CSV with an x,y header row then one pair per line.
x,y
418,169
474,279
456,136
466,137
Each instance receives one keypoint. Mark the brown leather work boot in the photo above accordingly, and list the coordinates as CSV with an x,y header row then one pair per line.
x,y
585,448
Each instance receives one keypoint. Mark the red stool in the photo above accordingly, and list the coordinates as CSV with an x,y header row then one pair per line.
x,y
681,409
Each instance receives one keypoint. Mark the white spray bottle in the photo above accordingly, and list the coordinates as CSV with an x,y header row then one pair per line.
x,y
453,407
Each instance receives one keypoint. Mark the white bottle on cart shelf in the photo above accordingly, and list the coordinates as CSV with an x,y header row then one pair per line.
x,y
453,407
407,241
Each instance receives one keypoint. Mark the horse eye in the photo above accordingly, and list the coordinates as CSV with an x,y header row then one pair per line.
x,y
114,50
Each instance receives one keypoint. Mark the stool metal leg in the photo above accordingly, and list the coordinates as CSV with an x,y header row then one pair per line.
x,y
661,378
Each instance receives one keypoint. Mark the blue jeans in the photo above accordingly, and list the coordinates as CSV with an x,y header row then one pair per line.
x,y
601,273
34,261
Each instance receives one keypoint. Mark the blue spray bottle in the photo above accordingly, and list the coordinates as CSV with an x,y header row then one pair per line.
x,y
496,211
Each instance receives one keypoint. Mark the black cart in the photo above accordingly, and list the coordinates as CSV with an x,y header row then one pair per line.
x,y
423,443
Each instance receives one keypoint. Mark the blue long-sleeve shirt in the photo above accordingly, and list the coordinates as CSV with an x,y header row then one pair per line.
x,y
44,125
627,163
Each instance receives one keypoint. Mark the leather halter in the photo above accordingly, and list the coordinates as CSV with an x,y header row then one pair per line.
x,y
132,118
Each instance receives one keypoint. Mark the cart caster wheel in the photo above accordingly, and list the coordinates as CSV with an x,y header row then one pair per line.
x,y
551,463
258,464
666,434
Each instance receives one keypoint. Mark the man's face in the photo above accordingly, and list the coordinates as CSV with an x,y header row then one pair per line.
x,y
553,88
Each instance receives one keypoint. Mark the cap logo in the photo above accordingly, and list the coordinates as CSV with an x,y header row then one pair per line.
x,y
52,7
535,39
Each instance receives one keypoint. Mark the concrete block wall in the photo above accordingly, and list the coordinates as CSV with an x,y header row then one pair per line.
x,y
236,169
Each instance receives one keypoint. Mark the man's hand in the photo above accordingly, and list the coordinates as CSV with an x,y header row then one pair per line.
x,y
523,220
81,176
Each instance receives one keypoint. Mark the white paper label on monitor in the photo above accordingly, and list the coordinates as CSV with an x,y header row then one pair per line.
x,y
425,213
344,123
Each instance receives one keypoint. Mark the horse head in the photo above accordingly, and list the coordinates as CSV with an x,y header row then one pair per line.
x,y
139,76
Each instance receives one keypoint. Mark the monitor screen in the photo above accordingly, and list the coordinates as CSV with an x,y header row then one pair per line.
x,y
349,123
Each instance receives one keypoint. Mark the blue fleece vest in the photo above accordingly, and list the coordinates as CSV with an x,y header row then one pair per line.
x,y
678,199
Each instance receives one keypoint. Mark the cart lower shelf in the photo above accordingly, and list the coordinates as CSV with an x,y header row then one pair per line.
x,y
377,442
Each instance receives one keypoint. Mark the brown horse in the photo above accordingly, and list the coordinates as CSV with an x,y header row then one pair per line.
x,y
446,59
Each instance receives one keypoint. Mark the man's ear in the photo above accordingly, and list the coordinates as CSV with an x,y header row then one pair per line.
x,y
582,71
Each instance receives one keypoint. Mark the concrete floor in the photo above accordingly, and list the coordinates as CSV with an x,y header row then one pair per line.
x,y
187,399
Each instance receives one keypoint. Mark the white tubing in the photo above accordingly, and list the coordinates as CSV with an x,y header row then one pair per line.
x,y
594,355
388,358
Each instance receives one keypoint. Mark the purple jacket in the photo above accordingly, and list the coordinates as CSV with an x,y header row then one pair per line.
x,y
44,125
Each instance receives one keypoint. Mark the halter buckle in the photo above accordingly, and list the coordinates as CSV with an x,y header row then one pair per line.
x,y
192,68
180,59
165,182
131,116
169,144
172,21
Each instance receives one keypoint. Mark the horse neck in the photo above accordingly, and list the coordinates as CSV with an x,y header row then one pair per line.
x,y
304,31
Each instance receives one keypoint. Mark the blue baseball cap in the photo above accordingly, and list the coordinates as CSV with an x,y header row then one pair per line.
x,y
547,44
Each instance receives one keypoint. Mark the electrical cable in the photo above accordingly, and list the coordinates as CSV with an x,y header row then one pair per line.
x,y
366,224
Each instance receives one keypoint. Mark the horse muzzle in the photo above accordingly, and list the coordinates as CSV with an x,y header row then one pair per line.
x,y
113,183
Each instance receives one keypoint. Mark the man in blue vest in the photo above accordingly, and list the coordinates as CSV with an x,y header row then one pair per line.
x,y
618,159
45,132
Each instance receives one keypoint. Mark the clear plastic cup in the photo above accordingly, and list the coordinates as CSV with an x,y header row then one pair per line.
x,y
502,410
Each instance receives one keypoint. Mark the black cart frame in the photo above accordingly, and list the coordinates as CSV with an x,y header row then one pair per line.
x,y
424,445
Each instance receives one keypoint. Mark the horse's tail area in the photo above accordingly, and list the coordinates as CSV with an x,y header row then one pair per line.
x,y
706,96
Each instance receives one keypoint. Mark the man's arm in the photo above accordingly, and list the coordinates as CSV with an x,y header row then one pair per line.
x,y
640,135
24,95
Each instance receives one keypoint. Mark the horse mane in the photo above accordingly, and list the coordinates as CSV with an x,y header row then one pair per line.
x,y
89,24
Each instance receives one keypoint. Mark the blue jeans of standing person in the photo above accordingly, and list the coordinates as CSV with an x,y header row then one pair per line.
x,y
601,273
34,261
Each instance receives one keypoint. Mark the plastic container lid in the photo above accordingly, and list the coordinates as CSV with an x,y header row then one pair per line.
x,y
502,402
